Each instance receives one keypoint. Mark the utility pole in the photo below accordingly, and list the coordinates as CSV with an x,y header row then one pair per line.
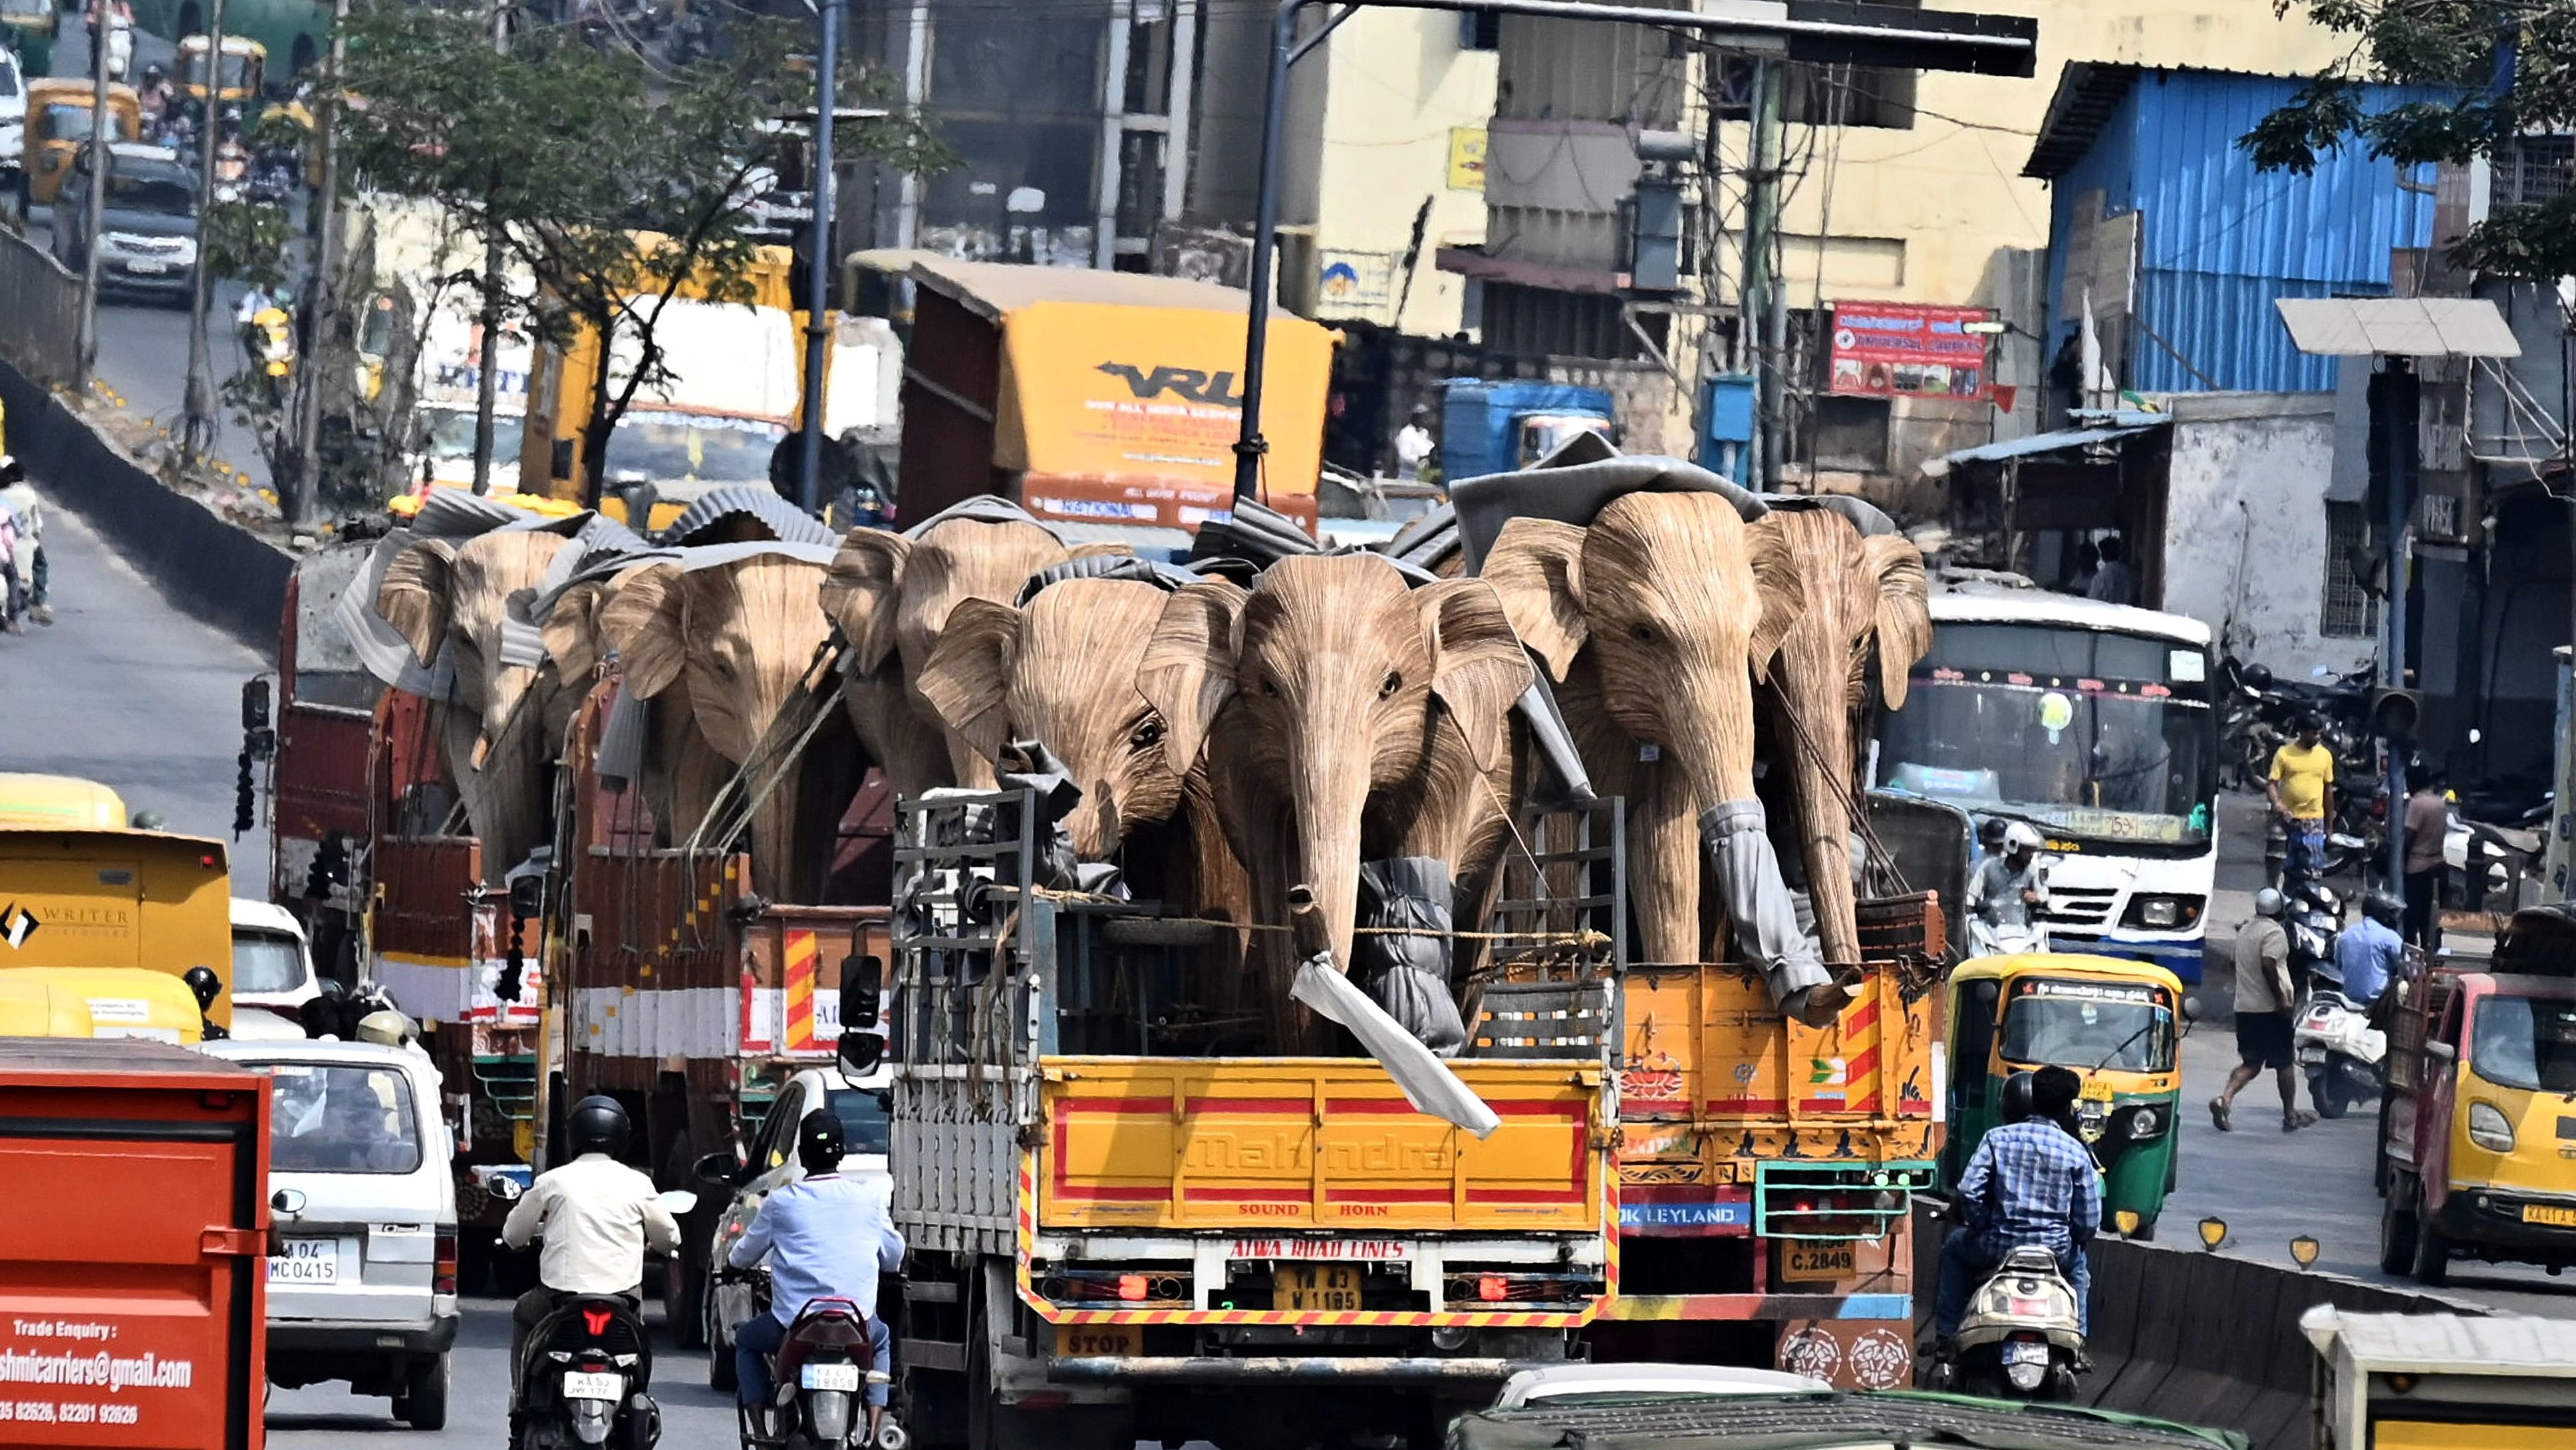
x,y
1765,315
197,434
88,343
487,364
296,495
818,262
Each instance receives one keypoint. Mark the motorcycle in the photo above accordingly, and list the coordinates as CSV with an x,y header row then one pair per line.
x,y
232,172
588,1368
2338,1049
821,1371
1988,939
2021,1338
2313,920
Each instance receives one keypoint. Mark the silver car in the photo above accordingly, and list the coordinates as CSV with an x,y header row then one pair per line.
x,y
365,1202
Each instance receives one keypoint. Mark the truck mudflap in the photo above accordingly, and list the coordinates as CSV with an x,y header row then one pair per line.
x,y
1224,1369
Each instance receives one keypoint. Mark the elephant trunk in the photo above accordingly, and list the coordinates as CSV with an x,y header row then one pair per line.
x,y
1822,772
1329,791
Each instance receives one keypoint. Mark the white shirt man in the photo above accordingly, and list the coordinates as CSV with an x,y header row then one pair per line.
x,y
597,1216
1412,448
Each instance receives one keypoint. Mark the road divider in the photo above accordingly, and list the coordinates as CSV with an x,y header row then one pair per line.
x,y
41,303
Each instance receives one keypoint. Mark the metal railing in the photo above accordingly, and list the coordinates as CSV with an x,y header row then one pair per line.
x,y
39,312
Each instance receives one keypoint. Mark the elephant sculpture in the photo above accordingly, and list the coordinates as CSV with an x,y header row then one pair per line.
x,y
1354,726
728,648
1655,619
500,727
1866,596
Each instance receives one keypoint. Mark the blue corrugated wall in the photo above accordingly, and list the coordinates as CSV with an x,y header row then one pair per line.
x,y
2219,240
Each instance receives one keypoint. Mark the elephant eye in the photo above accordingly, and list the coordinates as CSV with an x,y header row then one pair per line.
x,y
1642,633
1387,687
1147,734
1270,687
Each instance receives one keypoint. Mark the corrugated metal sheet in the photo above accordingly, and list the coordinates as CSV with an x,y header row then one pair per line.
x,y
2220,240
1584,70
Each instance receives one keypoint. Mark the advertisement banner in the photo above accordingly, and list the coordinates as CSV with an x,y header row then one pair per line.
x,y
1887,349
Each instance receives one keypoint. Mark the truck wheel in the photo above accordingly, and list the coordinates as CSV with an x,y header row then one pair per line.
x,y
1160,931
423,1405
2397,1231
2432,1256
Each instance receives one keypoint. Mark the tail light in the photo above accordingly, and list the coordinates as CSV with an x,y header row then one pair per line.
x,y
1492,1288
597,1321
443,1273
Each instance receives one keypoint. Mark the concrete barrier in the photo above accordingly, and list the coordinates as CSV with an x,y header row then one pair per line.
x,y
41,303
217,570
2199,1337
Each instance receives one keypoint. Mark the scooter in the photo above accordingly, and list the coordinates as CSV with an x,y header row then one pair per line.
x,y
2338,1049
2314,919
2021,1338
821,1371
1988,939
589,1363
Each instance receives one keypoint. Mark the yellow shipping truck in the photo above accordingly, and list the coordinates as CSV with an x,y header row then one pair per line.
x,y
79,888
1128,1224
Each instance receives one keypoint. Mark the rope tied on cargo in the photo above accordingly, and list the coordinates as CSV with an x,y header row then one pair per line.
x,y
1587,939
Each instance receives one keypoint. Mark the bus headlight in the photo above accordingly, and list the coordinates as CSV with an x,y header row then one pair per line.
x,y
2164,913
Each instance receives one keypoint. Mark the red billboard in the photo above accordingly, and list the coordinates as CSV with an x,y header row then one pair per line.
x,y
1886,349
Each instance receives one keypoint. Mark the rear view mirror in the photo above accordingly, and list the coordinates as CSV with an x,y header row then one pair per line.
x,y
2442,1050
2191,1009
287,1203
1985,992
528,896
254,704
678,1201
862,988
717,1170
860,1052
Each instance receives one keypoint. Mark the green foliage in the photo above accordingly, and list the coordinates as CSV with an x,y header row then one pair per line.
x,y
2512,67
246,241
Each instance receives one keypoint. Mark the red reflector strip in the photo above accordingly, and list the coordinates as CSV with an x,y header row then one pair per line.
x,y
1131,1286
1492,1288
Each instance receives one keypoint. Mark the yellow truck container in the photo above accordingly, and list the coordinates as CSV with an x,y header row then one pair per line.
x,y
107,896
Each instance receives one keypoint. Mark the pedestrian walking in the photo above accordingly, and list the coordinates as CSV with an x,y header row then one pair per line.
x,y
2263,1016
9,572
1413,446
2302,790
19,497
2428,825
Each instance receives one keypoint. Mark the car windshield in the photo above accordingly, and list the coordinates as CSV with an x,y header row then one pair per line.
x,y
865,1125
266,962
450,434
27,10
675,447
2525,1042
71,123
342,1120
2086,732
160,194
2124,1026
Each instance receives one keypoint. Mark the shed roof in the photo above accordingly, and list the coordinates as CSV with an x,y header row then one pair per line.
x,y
994,289
2088,91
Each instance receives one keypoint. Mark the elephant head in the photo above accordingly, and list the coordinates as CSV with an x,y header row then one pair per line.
x,y
442,594
891,596
1335,703
1658,619
729,651
1862,592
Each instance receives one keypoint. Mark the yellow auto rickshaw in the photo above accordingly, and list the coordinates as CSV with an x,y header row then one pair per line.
x,y
244,70
58,123
98,1002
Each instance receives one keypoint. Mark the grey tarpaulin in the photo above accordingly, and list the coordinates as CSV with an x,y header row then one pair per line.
x,y
1737,837
1032,767
523,642
989,508
1870,520
1576,494
1427,540
1409,975
620,755
785,521
1255,532
383,652
1166,577
1428,1083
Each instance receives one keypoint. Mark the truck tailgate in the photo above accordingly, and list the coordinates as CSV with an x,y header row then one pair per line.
x,y
1199,1143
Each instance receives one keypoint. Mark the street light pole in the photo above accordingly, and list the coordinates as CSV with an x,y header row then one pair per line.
x,y
296,494
96,205
818,262
197,435
487,363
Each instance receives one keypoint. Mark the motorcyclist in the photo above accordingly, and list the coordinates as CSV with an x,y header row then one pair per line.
x,y
596,1215
19,497
2007,887
825,1236
2031,1181
2370,951
154,95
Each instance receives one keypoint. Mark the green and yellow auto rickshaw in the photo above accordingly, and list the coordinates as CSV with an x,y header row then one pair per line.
x,y
2117,1023
28,27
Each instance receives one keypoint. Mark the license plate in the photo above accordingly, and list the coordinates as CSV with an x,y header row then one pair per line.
x,y
1818,1263
2023,1352
2097,1089
1099,1341
2549,1213
581,1386
146,267
832,1377
1315,1286
2312,1056
306,1261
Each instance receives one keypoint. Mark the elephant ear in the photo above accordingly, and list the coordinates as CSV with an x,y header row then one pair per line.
x,y
968,677
647,620
1188,670
1479,667
571,630
1904,611
413,598
1100,549
862,591
1536,569
1780,584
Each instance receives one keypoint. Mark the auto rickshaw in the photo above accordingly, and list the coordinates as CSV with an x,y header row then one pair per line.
x,y
58,122
245,69
2116,1022
30,27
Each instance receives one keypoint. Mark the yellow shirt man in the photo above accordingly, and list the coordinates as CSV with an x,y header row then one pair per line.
x,y
2303,773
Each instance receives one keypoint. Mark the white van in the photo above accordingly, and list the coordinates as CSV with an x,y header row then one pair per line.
x,y
364,1288
273,974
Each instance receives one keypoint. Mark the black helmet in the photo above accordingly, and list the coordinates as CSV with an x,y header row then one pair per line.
x,y
154,72
597,1124
11,470
819,1144
2020,1097
2383,908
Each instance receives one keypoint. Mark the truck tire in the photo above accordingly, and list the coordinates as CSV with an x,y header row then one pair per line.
x,y
1160,931
2432,1255
423,1405
2397,1229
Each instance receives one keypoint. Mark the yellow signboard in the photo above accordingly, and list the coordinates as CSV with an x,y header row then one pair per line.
x,y
1466,158
1124,414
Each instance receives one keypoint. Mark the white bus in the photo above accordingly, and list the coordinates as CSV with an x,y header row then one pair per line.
x,y
2093,722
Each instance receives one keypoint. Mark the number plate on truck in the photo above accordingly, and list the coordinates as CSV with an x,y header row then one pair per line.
x,y
306,1261
1315,1287
832,1377
1099,1341
1808,1263
2549,1213
580,1386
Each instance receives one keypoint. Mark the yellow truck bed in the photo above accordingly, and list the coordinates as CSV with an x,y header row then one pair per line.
x,y
1230,1143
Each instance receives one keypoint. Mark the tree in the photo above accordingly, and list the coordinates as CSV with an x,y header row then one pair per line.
x,y
610,178
2510,66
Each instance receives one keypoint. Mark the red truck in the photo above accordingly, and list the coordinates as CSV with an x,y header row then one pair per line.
x,y
133,1242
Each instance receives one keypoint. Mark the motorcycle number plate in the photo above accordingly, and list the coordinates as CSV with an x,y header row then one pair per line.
x,y
2025,1352
2312,1056
578,1385
831,1377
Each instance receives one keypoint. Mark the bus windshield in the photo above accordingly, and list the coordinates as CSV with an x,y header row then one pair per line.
x,y
2087,733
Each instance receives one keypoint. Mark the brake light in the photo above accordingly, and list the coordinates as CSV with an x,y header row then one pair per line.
x,y
443,1273
596,1321
1131,1287
1492,1288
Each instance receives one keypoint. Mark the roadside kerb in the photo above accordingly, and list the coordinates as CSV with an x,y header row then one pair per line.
x,y
39,312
